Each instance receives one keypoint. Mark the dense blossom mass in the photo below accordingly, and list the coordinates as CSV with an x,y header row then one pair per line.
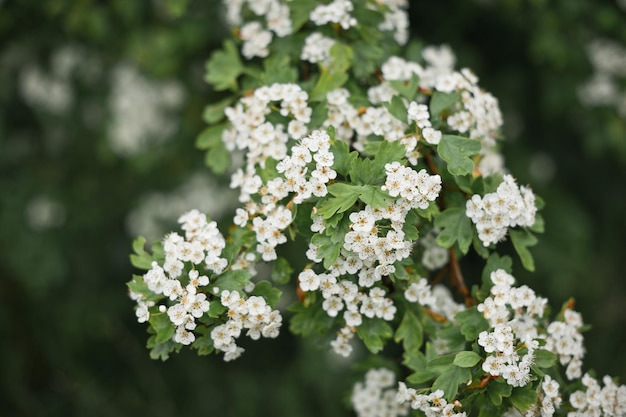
x,y
388,169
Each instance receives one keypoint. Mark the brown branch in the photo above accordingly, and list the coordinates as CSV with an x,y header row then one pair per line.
x,y
457,280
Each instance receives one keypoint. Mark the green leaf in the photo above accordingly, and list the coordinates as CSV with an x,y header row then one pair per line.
x,y
327,249
457,152
224,67
266,290
210,137
163,327
440,364
397,108
214,113
343,157
278,69
217,157
456,227
523,398
233,280
410,332
545,359
335,75
473,322
281,272
449,381
467,359
416,361
300,11
374,196
522,239
309,320
161,350
442,101
216,309
497,390
408,89
141,259
328,207
204,343
374,333
495,262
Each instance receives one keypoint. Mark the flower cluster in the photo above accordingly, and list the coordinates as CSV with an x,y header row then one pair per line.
x,y
596,400
376,395
317,49
261,139
201,247
564,339
432,405
438,299
338,11
494,213
511,313
252,313
257,34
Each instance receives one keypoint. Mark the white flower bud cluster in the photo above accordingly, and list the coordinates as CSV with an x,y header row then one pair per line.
x,y
508,206
257,35
438,299
338,11
396,19
341,294
261,139
596,400
201,245
432,405
511,313
252,314
376,395
317,49
306,170
434,256
564,339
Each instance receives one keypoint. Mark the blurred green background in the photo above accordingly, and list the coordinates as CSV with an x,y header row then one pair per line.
x,y
100,105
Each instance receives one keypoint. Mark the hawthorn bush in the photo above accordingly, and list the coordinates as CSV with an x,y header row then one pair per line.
x,y
383,160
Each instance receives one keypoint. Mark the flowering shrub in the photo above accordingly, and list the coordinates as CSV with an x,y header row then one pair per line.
x,y
384,159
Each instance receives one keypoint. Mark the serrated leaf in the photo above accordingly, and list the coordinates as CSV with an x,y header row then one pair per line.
x,y
545,359
397,108
163,327
224,67
343,157
374,333
266,290
218,159
408,89
456,226
233,280
210,137
309,320
161,350
457,152
281,272
374,196
216,309
497,390
327,249
473,322
442,101
214,113
410,332
140,259
467,359
204,343
328,207
523,398
449,381
522,239
335,75
440,363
